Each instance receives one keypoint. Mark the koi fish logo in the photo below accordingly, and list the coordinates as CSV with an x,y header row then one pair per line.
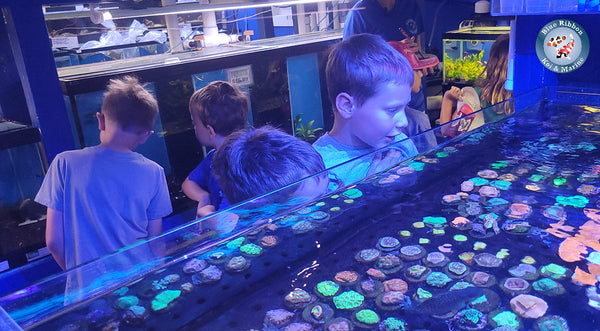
x,y
563,48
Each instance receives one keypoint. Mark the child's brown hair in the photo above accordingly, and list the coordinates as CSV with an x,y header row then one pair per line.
x,y
222,106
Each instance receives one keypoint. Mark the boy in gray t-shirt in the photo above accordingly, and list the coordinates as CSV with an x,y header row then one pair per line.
x,y
369,85
106,197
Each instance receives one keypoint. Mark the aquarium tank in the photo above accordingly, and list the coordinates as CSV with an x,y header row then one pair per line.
x,y
466,52
496,229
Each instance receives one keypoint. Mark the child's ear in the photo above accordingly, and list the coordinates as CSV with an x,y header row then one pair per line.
x,y
344,103
211,130
144,136
101,121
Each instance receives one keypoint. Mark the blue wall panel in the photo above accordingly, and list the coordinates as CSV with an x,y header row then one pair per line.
x,y
305,88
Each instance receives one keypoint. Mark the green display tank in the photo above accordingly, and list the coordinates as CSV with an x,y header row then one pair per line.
x,y
466,52
495,229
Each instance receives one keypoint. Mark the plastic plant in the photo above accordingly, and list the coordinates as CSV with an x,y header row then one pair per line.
x,y
305,132
467,68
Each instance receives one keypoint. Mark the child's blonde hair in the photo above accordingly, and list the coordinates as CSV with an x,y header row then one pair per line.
x,y
129,104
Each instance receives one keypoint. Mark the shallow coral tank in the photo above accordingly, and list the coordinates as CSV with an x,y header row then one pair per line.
x,y
497,228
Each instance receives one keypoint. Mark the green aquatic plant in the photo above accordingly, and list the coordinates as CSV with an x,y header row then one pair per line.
x,y
305,132
467,68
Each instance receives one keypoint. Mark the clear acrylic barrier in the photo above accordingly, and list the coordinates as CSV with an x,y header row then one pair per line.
x,y
42,304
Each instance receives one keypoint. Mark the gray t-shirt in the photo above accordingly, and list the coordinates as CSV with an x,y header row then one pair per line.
x,y
106,198
335,153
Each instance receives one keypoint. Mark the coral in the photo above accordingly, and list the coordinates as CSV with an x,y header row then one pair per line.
x,y
327,288
251,249
387,244
346,277
395,284
548,286
368,255
528,306
506,318
193,266
438,279
392,324
278,318
551,323
164,298
367,316
348,300
487,260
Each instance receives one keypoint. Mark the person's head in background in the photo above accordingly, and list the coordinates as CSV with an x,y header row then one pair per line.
x,y
369,85
217,110
493,77
254,162
127,114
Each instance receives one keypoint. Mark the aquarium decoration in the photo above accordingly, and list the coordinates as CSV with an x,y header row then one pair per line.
x,y
465,69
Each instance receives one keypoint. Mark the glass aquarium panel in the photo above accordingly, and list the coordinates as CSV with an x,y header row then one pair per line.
x,y
496,227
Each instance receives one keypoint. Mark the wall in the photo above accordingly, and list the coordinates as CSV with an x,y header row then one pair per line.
x,y
530,73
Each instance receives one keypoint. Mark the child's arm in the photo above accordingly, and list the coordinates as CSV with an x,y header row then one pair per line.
x,y
157,245
197,193
55,236
450,97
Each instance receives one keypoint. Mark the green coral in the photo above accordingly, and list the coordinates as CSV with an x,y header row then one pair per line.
x,y
507,318
577,201
394,324
235,243
251,249
470,316
348,300
327,288
367,316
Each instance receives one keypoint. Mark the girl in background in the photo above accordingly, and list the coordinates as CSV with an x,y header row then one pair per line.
x,y
489,90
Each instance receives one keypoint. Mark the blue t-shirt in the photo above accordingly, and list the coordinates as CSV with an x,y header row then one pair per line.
x,y
367,16
204,177
335,153
106,198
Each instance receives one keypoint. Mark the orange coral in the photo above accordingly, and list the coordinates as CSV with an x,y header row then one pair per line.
x,y
594,269
571,250
559,229
583,278
593,214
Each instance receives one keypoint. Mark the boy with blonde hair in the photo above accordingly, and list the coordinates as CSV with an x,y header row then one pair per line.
x,y
106,197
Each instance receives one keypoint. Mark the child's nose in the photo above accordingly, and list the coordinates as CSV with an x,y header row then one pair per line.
x,y
400,120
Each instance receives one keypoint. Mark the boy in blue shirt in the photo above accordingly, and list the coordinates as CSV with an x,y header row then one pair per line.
x,y
369,85
217,110
106,197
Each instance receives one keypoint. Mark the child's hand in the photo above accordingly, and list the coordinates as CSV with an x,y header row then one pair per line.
x,y
412,44
454,94
381,162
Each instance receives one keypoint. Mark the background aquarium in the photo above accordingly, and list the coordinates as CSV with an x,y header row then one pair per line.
x,y
22,223
495,228
466,51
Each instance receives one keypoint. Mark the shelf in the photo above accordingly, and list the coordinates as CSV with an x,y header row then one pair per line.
x,y
180,9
